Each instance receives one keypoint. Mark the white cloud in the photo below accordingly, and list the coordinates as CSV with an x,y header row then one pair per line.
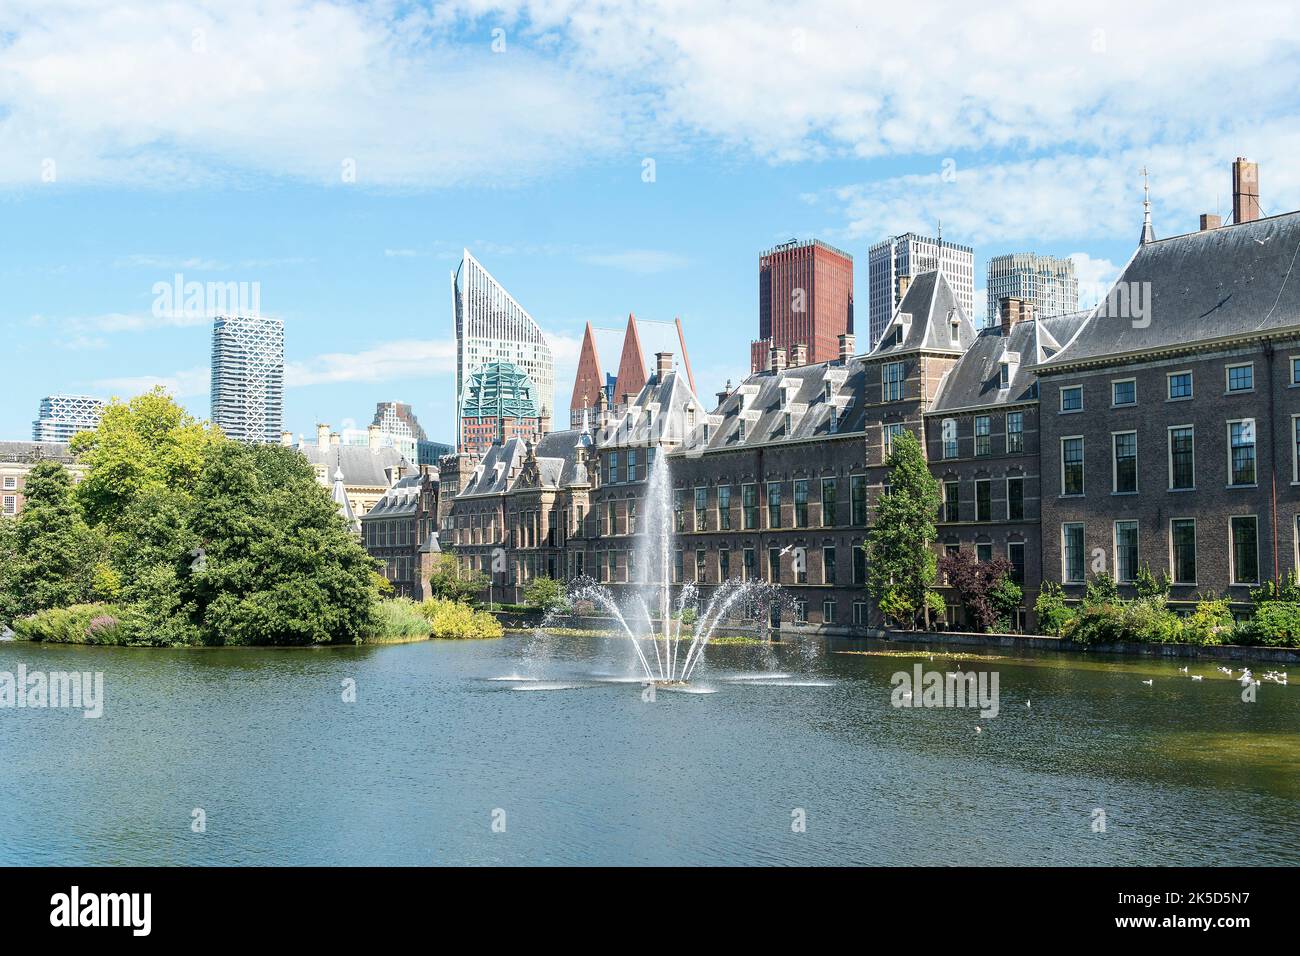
x,y
188,383
1095,275
385,362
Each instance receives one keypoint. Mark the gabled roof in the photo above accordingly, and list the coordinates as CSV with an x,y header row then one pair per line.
x,y
1201,287
362,466
665,411
763,399
975,380
401,500
924,318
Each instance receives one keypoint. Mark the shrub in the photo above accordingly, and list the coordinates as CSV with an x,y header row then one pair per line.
x,y
1051,610
897,606
1275,624
453,620
1210,623
77,624
546,594
396,619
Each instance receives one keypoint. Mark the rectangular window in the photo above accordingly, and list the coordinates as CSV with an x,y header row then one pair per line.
x,y
801,503
951,501
983,500
1295,370
679,510
774,565
889,432
613,565
749,506
983,552
860,613
892,382
678,570
1126,551
1072,553
829,566
631,516
1245,549
858,499
701,509
613,467
600,566
1180,385
1241,378
829,488
1072,466
774,504
724,507
983,444
1182,458
751,564
859,565
1182,550
1241,452
828,611
1016,555
949,437
1124,471
1015,432
631,464
11,484
1072,398
724,564
1123,392
1016,499
701,558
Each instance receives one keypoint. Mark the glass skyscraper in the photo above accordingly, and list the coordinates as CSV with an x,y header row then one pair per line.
x,y
62,416
492,328
248,377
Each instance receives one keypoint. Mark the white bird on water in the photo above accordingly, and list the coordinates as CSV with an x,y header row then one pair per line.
x,y
1149,683
979,729
1027,704
1197,677
1183,668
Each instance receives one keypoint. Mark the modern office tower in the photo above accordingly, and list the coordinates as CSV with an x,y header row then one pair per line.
x,y
248,377
394,426
805,298
500,403
1046,282
62,416
636,347
492,328
909,255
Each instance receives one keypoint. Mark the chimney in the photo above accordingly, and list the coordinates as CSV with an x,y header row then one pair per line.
x,y
1210,221
286,439
334,439
323,436
902,286
725,393
663,364
1245,190
1011,310
847,346
799,355
372,437
777,362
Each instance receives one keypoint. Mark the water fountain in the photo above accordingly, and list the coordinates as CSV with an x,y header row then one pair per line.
x,y
656,626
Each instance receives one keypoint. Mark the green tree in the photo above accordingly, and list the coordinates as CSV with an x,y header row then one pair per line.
x,y
899,554
146,446
450,582
545,593
278,565
49,554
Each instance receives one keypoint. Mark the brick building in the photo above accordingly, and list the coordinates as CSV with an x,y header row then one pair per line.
x,y
805,300
17,458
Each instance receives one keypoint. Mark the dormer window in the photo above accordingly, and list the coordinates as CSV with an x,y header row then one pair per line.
x,y
788,424
1004,375
828,391
954,331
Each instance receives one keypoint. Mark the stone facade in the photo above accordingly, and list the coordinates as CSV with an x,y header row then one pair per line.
x,y
17,458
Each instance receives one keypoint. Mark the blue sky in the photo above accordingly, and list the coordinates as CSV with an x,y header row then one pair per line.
x,y
211,140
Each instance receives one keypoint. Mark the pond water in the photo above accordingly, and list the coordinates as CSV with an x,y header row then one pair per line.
x,y
541,749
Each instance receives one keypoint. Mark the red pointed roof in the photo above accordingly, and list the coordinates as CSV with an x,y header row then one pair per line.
x,y
631,366
589,381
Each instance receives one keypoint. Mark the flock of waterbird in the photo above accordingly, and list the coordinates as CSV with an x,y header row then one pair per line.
x,y
1246,678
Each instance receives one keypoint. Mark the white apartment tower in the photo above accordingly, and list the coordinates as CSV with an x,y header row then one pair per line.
x,y
491,327
248,377
62,416
910,255
1047,282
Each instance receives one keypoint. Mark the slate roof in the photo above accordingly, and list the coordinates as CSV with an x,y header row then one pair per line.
x,y
491,474
925,315
401,500
361,465
762,400
27,451
973,382
556,457
663,411
1219,283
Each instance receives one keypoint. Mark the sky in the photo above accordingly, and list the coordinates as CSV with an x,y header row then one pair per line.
x,y
600,159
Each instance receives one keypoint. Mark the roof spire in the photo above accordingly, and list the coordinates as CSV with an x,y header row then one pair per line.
x,y
1148,234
